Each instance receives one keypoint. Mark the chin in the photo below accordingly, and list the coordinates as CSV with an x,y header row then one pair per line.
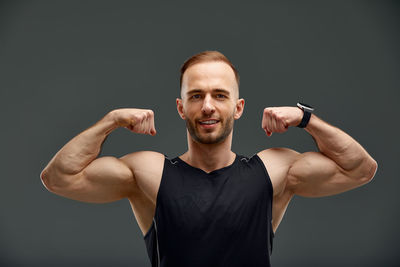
x,y
208,141
208,138
214,137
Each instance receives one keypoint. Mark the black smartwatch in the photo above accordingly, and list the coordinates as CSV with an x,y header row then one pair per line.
x,y
307,109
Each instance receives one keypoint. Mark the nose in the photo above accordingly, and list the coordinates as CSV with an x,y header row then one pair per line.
x,y
208,107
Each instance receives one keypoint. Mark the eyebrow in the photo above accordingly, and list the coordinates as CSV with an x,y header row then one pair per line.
x,y
217,90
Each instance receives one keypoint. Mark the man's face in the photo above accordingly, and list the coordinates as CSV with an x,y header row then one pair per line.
x,y
209,103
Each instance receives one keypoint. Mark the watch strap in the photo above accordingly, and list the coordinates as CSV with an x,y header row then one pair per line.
x,y
305,120
307,110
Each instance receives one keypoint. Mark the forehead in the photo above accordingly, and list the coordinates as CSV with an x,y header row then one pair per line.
x,y
209,75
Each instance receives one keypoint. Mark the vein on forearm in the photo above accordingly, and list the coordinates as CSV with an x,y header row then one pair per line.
x,y
84,148
336,144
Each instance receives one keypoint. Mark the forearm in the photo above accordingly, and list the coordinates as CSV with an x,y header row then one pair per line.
x,y
339,146
81,150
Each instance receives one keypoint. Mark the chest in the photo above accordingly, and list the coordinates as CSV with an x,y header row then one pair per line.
x,y
228,202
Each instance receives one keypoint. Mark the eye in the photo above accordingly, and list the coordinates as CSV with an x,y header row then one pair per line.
x,y
221,96
197,96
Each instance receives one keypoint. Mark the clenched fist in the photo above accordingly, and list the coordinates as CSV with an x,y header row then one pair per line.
x,y
278,119
136,120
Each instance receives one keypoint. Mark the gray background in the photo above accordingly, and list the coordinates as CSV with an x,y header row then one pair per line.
x,y
64,65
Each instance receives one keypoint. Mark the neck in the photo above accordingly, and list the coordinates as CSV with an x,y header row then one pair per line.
x,y
209,157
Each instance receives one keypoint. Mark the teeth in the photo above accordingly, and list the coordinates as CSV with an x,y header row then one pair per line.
x,y
208,122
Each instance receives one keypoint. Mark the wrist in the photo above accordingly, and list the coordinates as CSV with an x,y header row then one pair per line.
x,y
299,117
110,121
307,112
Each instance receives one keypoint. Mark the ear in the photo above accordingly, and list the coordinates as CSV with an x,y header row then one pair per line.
x,y
239,108
179,107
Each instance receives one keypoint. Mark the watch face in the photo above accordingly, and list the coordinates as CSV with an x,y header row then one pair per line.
x,y
308,106
305,107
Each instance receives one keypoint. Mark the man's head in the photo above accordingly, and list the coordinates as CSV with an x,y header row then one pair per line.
x,y
209,97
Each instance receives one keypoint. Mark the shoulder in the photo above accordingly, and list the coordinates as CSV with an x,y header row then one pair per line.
x,y
147,168
278,161
143,160
280,155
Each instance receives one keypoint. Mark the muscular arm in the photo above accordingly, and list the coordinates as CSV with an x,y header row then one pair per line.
x,y
76,172
340,165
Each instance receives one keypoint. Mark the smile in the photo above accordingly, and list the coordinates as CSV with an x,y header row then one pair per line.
x,y
209,122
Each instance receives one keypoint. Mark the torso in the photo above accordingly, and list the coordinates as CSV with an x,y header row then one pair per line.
x,y
143,201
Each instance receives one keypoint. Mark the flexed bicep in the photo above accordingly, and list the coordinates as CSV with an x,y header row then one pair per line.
x,y
315,175
106,179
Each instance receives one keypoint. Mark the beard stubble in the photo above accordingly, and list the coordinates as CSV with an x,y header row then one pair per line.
x,y
227,126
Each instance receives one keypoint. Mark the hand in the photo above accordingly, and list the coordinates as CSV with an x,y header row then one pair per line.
x,y
278,119
136,120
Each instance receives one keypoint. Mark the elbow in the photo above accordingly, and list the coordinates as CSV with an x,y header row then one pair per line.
x,y
373,169
51,181
58,183
370,171
44,177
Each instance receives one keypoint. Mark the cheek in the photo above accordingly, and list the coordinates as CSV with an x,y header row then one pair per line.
x,y
231,108
191,108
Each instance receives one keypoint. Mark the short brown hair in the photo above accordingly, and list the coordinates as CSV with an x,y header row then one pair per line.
x,y
207,56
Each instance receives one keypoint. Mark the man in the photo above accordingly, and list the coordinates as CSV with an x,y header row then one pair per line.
x,y
209,206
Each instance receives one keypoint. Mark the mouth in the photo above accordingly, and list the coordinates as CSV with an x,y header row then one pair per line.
x,y
210,123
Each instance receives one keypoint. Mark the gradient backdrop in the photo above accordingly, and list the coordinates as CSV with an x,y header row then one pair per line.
x,y
65,64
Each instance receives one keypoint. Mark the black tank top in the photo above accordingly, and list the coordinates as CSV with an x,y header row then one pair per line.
x,y
221,218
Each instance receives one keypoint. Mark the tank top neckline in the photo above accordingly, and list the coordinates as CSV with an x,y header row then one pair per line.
x,y
212,172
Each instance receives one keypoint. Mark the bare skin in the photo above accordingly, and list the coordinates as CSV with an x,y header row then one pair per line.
x,y
209,92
